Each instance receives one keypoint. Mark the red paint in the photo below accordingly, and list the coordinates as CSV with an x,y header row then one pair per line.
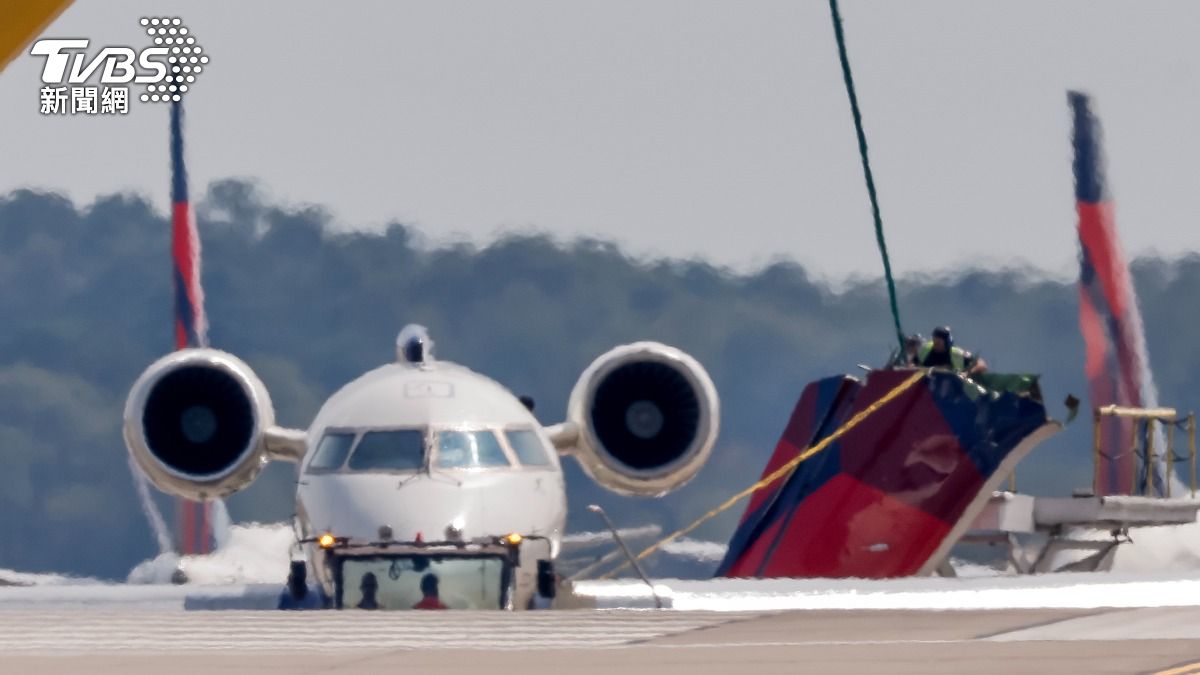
x,y
846,529
920,464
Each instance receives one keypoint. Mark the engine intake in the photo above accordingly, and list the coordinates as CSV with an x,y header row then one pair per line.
x,y
195,423
643,418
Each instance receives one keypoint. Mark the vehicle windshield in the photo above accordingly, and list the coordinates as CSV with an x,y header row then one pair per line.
x,y
331,451
399,450
468,450
422,582
529,448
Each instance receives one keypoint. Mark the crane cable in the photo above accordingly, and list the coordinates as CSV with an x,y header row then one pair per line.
x,y
866,164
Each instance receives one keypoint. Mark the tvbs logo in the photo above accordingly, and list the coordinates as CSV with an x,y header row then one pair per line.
x,y
167,69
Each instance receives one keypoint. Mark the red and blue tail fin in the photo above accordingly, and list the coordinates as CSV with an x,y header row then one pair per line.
x,y
1117,363
892,494
191,324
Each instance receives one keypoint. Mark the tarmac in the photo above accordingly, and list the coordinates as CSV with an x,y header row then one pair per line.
x,y
1162,640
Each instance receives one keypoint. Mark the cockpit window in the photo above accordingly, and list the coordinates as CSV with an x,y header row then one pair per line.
x,y
529,448
469,449
402,450
331,451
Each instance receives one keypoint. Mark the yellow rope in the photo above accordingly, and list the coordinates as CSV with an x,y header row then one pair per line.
x,y
781,471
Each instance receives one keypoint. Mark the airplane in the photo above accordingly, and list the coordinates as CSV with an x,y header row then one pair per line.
x,y
423,466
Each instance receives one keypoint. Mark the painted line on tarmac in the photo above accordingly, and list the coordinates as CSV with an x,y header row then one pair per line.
x,y
1190,668
317,632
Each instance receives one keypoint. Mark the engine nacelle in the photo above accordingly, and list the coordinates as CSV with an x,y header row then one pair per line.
x,y
195,422
642,419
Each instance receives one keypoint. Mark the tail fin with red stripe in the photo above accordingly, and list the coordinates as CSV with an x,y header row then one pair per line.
x,y
191,323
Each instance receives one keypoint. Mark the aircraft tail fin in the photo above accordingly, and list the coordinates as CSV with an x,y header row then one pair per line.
x,y
1117,362
893,492
191,322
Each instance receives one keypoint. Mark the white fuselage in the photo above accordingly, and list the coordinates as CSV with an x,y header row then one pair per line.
x,y
430,451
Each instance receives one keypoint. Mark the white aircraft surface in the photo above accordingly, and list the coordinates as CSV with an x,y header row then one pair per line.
x,y
423,467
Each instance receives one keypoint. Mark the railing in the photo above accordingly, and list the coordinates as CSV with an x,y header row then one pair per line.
x,y
1144,421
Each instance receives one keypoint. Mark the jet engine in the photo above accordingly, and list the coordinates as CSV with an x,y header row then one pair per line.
x,y
642,419
199,422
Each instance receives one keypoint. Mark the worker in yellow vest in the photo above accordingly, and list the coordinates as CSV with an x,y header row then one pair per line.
x,y
940,352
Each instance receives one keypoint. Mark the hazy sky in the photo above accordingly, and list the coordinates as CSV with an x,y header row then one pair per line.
x,y
681,128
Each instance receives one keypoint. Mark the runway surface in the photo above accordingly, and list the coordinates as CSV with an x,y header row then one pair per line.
x,y
1138,640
